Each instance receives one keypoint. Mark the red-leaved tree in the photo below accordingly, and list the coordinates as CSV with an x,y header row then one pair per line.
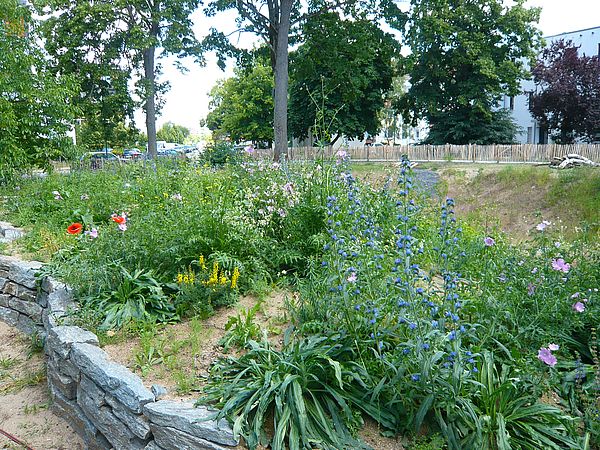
x,y
567,97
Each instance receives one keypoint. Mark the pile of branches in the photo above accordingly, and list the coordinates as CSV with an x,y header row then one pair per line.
x,y
571,160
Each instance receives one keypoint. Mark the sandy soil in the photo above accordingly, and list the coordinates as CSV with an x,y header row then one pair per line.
x,y
24,410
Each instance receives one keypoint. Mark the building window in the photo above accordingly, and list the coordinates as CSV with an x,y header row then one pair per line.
x,y
512,102
530,135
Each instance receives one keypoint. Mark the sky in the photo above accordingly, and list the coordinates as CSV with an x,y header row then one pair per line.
x,y
187,101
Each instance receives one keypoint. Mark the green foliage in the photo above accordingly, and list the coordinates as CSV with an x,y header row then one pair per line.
x,y
299,390
472,126
134,297
342,70
241,107
465,55
241,329
220,153
35,106
171,132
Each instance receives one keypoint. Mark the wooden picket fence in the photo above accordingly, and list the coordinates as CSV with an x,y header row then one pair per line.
x,y
521,153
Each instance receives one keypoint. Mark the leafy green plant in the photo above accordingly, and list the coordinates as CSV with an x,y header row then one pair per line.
x,y
137,296
298,392
241,329
503,415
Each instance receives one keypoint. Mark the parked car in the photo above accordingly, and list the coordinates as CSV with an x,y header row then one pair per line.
x,y
98,160
131,153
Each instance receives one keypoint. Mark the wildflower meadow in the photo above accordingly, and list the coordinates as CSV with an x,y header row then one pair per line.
x,y
399,311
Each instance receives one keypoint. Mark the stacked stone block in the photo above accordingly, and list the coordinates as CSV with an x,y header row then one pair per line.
x,y
104,402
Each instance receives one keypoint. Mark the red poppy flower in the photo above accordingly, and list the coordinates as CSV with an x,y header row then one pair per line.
x,y
118,219
75,228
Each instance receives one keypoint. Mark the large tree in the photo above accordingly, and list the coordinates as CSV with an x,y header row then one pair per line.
x,y
465,55
339,77
171,132
567,98
275,21
241,107
108,39
35,111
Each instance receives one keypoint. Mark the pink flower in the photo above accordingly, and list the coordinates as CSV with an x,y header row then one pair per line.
x,y
249,149
57,195
93,233
176,197
542,226
553,347
488,241
341,155
534,270
122,226
560,265
546,356
578,307
352,278
530,289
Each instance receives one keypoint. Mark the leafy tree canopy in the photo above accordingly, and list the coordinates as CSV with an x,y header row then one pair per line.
x,y
339,77
567,98
465,55
35,111
242,106
107,43
171,132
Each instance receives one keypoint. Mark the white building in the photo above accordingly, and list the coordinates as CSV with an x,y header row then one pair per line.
x,y
588,41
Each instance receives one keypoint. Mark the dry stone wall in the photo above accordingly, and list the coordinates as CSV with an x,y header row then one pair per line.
x,y
104,402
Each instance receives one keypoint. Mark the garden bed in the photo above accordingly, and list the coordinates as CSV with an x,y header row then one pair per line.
x,y
403,307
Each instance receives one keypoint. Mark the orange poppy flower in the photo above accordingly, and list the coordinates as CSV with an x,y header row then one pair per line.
x,y
119,219
75,228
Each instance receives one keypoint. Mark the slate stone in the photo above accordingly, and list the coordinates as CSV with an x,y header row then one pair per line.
x,y
50,285
4,298
158,391
62,338
65,366
91,400
5,263
27,326
11,234
3,282
29,308
173,439
9,316
23,272
67,386
113,378
153,446
137,423
73,414
60,303
185,417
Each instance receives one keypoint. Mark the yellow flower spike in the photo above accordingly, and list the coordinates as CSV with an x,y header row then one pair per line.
x,y
201,262
234,277
186,279
223,280
179,278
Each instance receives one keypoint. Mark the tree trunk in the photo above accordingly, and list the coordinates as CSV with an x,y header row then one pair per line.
x,y
150,105
280,72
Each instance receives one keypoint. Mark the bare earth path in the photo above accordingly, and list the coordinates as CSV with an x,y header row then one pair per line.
x,y
24,399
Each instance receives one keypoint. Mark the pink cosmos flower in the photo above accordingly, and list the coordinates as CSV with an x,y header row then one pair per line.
x,y
249,149
560,265
122,226
553,347
352,278
578,307
488,241
546,356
